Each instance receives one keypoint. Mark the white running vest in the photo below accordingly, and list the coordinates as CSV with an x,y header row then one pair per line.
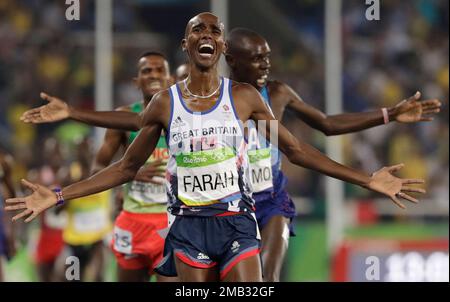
x,y
207,168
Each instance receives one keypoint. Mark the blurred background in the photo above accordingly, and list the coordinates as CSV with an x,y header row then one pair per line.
x,y
383,62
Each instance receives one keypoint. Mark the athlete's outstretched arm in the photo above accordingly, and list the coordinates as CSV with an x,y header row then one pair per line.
x,y
116,174
407,111
113,141
57,110
304,155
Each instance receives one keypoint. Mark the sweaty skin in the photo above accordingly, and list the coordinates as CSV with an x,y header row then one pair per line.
x,y
202,80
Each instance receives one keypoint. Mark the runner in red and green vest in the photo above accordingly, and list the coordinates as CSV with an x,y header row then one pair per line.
x,y
136,244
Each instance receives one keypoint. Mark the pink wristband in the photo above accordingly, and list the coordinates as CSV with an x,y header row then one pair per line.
x,y
385,115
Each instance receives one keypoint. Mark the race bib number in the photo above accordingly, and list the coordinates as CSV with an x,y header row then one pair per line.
x,y
260,169
123,241
207,177
91,221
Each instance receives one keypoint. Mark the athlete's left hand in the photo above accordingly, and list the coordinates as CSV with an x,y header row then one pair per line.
x,y
412,110
56,110
383,181
32,205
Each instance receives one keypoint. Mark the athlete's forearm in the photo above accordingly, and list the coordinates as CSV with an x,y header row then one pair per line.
x,y
121,120
122,171
97,168
307,156
114,175
302,154
353,122
338,123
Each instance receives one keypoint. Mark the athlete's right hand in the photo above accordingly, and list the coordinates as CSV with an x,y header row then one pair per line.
x,y
32,205
56,110
149,171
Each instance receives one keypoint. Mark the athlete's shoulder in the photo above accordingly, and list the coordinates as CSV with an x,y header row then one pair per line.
x,y
242,88
276,86
246,96
159,107
161,97
280,93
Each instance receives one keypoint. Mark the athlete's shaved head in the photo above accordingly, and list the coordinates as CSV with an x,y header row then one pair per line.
x,y
197,19
248,56
153,53
204,40
242,39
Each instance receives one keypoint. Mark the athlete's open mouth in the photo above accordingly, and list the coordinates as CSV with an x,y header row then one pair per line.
x,y
155,85
206,50
262,80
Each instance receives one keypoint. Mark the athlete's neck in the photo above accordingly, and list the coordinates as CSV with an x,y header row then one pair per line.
x,y
203,82
233,77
